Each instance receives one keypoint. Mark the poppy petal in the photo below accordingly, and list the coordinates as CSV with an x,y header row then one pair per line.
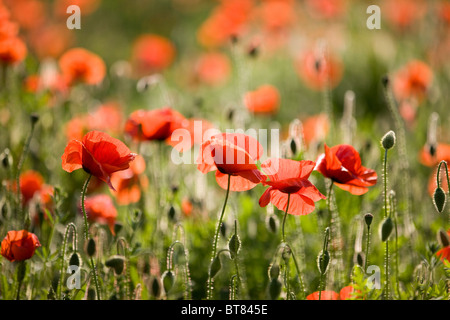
x,y
71,159
237,183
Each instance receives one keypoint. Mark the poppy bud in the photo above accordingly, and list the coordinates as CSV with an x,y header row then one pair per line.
x,y
223,229
443,238
117,263
360,258
74,259
368,218
322,261
234,245
432,148
91,247
6,159
156,287
274,288
117,227
34,117
168,279
386,228
293,146
274,271
91,294
272,223
171,213
388,140
215,267
439,198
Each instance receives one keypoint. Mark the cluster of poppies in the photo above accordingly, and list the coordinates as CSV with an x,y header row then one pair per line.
x,y
233,157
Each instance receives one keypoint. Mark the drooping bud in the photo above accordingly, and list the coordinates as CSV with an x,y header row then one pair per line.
x,y
74,259
171,213
223,229
274,271
34,117
6,158
388,140
272,223
168,279
360,258
91,295
439,199
275,288
215,267
386,229
156,287
385,80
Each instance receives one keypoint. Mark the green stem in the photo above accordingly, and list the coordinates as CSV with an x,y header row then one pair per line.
x,y
386,214
367,248
283,238
86,236
216,238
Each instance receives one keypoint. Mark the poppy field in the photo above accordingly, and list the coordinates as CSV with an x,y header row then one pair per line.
x,y
224,150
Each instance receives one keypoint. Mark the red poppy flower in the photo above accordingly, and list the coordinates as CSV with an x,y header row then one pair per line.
x,y
130,182
101,209
19,245
277,15
404,13
157,124
98,154
346,293
326,295
289,178
81,65
342,164
412,81
50,40
444,253
213,68
318,70
30,183
12,50
264,100
86,6
442,153
152,53
28,13
232,154
327,9
186,207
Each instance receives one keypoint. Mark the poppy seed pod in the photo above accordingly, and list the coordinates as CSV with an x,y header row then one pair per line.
x,y
440,199
443,238
386,229
388,140
168,279
215,267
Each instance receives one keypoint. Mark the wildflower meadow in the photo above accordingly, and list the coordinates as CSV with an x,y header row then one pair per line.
x,y
224,150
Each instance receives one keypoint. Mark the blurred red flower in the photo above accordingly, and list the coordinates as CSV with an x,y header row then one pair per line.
x,y
226,21
290,177
98,154
326,295
213,68
12,50
444,253
342,164
264,100
101,209
157,124
50,40
130,182
319,70
346,293
412,81
186,207
442,152
232,154
19,245
315,128
404,13
86,6
152,53
29,14
81,65
326,9
30,182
